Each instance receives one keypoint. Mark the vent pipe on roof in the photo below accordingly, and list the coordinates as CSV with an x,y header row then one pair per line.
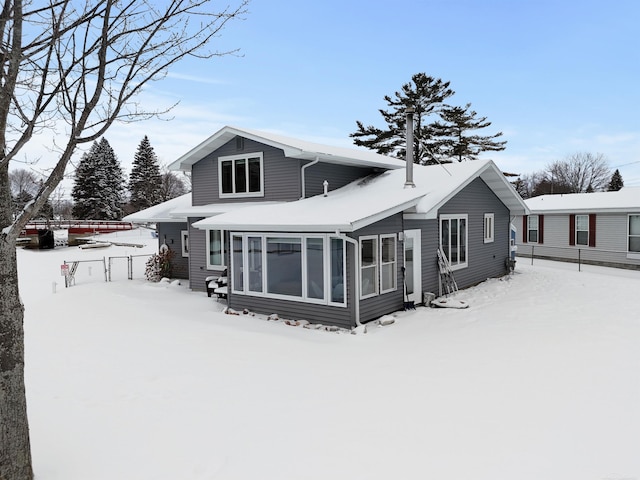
x,y
409,149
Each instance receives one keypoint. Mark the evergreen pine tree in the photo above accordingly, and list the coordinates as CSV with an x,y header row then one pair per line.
x,y
426,95
145,181
436,141
98,188
458,143
616,182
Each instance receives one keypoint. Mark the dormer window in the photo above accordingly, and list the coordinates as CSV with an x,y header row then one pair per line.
x,y
241,175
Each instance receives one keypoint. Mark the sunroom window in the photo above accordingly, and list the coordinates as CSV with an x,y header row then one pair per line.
x,y
308,268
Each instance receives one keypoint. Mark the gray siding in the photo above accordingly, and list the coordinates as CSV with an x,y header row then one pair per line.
x,y
375,307
171,235
485,260
281,175
198,258
337,176
343,317
611,241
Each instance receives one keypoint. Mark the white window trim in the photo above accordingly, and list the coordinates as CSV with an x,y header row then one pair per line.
x,y
537,229
395,262
376,266
233,158
630,253
211,266
465,216
184,242
303,298
575,233
489,227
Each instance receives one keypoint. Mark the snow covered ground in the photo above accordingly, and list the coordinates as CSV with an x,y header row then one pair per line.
x,y
538,379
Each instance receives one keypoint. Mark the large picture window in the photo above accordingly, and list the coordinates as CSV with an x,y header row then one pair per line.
x,y
215,249
634,233
241,175
454,239
307,268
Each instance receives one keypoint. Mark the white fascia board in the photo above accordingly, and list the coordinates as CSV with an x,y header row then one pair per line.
x,y
365,222
282,228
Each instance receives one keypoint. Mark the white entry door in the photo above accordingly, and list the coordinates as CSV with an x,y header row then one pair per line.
x,y
413,265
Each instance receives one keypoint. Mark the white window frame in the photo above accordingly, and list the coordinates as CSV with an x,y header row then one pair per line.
x,y
394,262
448,218
489,227
244,290
212,266
632,254
537,229
233,159
575,233
184,242
375,266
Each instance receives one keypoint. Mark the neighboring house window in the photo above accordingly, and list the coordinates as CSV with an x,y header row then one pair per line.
x,y
388,263
454,239
368,266
488,227
215,249
184,240
634,233
241,175
307,268
532,229
582,230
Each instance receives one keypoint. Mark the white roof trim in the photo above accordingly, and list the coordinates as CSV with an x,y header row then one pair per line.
x,y
293,148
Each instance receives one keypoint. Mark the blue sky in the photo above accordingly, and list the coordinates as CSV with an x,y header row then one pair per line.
x,y
556,77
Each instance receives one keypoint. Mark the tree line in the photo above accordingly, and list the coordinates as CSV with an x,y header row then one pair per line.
x,y
581,172
100,190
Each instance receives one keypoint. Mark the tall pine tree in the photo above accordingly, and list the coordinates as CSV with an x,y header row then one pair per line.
x,y
426,95
145,181
458,143
441,139
98,190
616,182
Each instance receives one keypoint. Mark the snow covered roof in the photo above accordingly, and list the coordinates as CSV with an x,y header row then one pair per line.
x,y
625,200
292,147
161,212
369,200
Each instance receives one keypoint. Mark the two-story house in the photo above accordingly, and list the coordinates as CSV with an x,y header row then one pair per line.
x,y
332,235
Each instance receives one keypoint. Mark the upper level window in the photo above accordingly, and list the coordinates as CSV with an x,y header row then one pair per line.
x,y
241,175
634,233
488,227
582,229
454,239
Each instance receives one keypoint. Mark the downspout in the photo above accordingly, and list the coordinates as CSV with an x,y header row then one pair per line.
x,y
355,273
302,176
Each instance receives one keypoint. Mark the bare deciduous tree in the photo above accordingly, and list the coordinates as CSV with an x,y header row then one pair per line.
x,y
581,172
75,67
